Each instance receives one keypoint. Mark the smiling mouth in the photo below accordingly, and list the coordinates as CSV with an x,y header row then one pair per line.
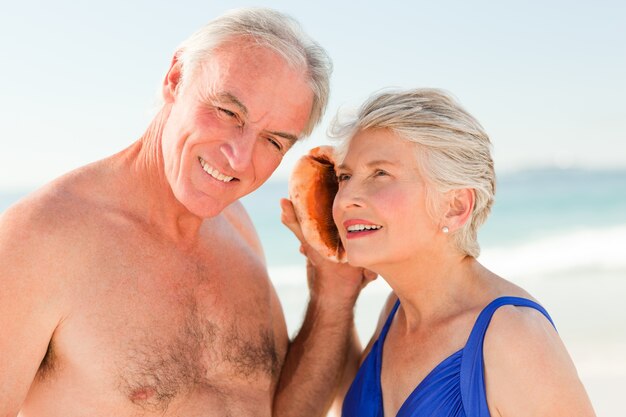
x,y
214,172
362,227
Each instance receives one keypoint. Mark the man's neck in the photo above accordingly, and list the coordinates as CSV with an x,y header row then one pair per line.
x,y
140,168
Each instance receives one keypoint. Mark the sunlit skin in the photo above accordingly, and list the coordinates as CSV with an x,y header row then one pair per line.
x,y
137,285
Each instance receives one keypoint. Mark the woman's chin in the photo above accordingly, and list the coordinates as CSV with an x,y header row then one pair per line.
x,y
358,261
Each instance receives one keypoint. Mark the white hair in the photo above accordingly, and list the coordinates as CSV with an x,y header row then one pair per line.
x,y
270,29
453,149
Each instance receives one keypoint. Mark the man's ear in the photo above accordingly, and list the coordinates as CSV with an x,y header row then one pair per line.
x,y
171,84
460,206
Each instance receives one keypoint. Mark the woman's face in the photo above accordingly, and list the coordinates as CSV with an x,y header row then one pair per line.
x,y
380,208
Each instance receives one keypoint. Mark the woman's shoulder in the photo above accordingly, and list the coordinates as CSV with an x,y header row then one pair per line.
x,y
513,325
526,362
517,323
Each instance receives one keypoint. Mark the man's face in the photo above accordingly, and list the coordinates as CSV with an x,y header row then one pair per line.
x,y
230,125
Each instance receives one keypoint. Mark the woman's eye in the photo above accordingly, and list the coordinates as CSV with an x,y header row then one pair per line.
x,y
343,177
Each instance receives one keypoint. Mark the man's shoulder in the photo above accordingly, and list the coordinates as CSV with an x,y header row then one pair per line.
x,y
51,210
34,242
237,216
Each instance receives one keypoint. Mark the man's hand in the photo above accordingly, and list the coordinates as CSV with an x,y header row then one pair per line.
x,y
329,281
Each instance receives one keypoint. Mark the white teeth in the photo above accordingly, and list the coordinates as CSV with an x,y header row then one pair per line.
x,y
360,227
213,172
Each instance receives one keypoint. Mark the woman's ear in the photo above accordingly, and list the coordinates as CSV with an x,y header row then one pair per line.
x,y
172,80
460,206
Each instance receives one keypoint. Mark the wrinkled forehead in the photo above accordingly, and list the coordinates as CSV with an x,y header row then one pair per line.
x,y
243,56
384,136
272,92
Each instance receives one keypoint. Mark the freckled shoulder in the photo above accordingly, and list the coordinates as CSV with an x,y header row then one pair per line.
x,y
527,365
239,218
515,329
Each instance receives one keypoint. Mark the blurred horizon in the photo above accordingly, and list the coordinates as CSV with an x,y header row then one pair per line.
x,y
501,175
546,80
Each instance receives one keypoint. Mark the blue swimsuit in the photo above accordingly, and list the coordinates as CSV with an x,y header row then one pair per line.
x,y
454,388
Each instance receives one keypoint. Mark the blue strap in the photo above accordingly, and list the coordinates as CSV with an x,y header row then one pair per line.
x,y
377,350
472,370
383,332
378,346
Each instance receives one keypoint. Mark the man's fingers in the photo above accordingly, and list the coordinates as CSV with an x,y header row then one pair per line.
x,y
289,219
369,275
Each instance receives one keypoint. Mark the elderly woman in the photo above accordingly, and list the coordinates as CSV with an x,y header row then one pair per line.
x,y
416,181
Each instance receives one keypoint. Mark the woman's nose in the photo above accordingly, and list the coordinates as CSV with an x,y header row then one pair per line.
x,y
349,195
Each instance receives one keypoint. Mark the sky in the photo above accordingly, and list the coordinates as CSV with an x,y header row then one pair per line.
x,y
547,79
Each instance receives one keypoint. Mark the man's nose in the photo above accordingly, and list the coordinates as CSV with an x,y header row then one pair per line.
x,y
238,151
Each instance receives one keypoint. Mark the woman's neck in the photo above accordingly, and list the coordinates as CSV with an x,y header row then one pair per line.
x,y
431,288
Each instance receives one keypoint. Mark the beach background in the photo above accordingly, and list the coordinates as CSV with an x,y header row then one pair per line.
x,y
559,233
546,80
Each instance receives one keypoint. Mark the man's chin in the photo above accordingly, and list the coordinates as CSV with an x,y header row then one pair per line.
x,y
206,211
202,205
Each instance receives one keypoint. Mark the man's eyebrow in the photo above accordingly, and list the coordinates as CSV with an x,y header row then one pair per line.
x,y
229,97
290,137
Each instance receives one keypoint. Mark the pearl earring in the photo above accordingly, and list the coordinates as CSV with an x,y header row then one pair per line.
x,y
445,229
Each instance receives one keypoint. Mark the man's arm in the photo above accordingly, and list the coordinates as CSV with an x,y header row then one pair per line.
x,y
356,355
316,358
26,318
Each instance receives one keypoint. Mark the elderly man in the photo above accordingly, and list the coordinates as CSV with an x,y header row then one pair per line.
x,y
136,285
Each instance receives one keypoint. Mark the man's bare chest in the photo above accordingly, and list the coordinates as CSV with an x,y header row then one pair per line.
x,y
153,326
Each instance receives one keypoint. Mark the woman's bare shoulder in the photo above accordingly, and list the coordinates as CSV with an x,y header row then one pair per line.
x,y
527,366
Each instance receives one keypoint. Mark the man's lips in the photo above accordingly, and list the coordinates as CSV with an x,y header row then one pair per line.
x,y
214,172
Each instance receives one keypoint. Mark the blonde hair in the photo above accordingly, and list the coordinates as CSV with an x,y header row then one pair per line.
x,y
453,149
270,29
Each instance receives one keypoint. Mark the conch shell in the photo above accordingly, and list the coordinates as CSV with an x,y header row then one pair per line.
x,y
312,188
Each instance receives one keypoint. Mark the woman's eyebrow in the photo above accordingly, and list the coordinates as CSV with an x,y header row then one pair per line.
x,y
376,162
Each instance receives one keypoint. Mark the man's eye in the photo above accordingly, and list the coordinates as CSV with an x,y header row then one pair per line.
x,y
379,173
275,143
227,114
343,177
